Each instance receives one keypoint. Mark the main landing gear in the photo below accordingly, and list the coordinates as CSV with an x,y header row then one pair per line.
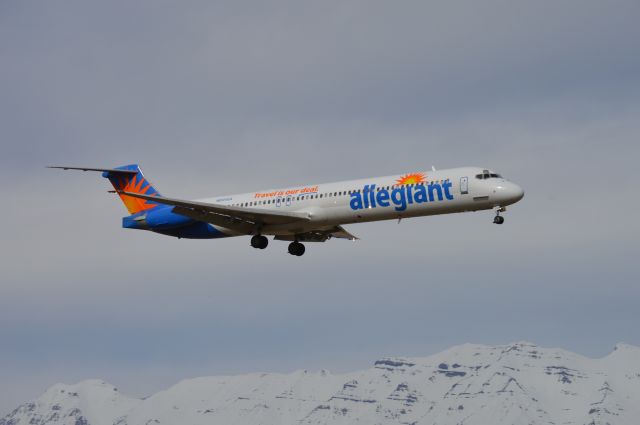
x,y
296,248
259,241
498,219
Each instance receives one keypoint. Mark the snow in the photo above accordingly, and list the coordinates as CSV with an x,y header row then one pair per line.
x,y
517,384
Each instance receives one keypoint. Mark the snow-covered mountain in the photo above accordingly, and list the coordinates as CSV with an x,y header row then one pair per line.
x,y
514,384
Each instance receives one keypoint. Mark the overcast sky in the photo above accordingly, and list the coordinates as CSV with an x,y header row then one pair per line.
x,y
222,97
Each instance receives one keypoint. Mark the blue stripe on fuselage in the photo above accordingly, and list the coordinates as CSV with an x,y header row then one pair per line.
x,y
164,221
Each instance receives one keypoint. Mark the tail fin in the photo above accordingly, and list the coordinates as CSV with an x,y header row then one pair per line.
x,y
132,182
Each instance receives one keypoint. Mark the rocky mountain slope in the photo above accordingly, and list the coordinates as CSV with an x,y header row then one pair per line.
x,y
517,384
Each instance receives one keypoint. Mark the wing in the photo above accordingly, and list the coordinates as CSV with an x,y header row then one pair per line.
x,y
319,235
340,233
240,219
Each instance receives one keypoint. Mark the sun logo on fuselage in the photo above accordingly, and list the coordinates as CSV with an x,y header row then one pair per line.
x,y
411,178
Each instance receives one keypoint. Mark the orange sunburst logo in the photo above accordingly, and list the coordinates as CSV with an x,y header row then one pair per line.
x,y
137,184
412,178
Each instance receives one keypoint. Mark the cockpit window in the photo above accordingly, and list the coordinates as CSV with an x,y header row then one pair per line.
x,y
488,175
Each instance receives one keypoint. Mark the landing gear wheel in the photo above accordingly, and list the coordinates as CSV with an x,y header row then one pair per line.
x,y
296,248
259,241
498,219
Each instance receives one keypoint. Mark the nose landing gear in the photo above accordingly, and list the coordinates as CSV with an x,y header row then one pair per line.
x,y
498,219
296,248
259,241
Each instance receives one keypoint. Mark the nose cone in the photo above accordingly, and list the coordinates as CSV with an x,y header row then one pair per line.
x,y
509,193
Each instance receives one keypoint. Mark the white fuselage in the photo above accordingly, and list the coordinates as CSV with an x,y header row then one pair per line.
x,y
380,198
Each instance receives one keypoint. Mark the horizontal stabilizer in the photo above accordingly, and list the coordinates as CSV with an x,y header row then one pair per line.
x,y
104,170
127,178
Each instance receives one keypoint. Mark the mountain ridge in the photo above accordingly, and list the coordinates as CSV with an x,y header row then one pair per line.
x,y
517,383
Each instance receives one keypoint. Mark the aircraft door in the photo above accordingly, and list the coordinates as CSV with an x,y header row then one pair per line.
x,y
289,200
464,185
278,201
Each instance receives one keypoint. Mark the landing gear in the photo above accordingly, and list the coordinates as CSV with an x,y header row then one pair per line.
x,y
259,241
498,219
296,248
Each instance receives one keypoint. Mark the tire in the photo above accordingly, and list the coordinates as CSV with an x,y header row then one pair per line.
x,y
259,242
296,248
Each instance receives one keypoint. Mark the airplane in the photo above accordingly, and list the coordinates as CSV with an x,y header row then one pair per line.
x,y
311,213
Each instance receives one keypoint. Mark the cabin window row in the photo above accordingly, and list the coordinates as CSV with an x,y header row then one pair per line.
x,y
327,195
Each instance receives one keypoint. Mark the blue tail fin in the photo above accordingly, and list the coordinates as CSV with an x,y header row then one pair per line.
x,y
135,183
